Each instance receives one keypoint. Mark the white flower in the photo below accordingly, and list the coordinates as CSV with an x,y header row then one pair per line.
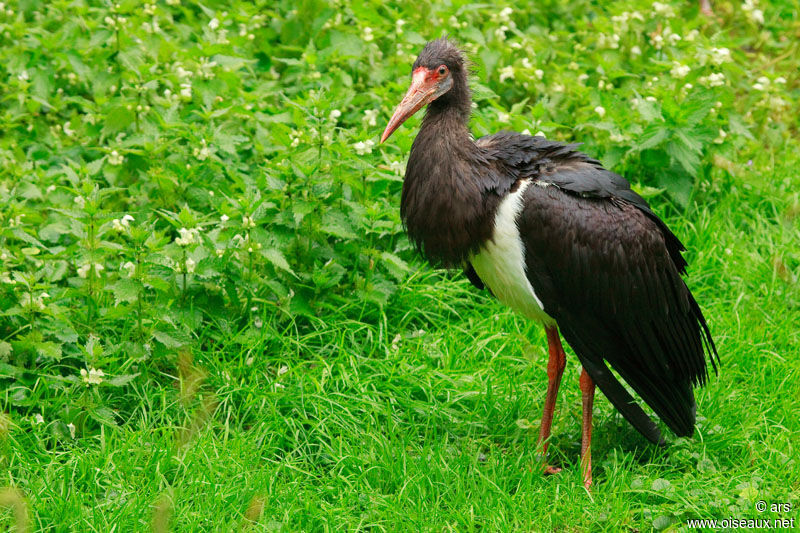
x,y
117,225
202,153
715,79
38,419
763,80
506,73
364,147
80,201
190,265
503,117
214,23
754,14
224,218
396,167
248,222
92,377
758,86
663,9
526,63
539,73
282,370
182,72
23,76
130,267
691,36
71,428
505,14
335,114
188,236
540,134
371,116
635,50
600,110
500,32
720,55
679,71
368,34
658,41
186,91
721,137
781,80
115,158
83,271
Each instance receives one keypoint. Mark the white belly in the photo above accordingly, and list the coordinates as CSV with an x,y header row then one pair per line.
x,y
500,263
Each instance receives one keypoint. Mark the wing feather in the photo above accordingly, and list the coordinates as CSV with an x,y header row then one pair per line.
x,y
604,268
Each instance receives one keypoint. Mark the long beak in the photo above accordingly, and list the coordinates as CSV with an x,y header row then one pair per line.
x,y
422,91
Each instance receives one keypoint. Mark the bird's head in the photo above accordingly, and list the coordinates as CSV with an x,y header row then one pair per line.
x,y
439,76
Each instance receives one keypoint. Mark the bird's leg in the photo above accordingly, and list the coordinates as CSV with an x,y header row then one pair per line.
x,y
705,8
555,368
587,395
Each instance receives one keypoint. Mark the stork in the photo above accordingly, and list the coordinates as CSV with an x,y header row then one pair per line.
x,y
560,240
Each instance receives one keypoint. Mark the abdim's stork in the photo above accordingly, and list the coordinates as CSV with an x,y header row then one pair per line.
x,y
561,240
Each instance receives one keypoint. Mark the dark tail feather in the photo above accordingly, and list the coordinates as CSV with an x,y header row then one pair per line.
x,y
623,401
708,341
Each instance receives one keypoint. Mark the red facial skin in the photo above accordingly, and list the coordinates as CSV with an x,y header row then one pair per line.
x,y
425,85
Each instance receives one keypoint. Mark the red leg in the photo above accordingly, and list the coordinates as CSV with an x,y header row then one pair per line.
x,y
587,395
705,8
555,368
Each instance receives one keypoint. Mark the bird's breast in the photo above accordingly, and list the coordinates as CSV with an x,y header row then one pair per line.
x,y
500,262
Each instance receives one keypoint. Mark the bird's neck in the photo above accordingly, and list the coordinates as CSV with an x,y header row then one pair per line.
x,y
443,205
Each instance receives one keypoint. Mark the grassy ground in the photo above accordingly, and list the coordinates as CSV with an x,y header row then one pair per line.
x,y
424,417
313,391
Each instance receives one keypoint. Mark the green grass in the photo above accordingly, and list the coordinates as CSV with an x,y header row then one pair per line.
x,y
433,434
307,371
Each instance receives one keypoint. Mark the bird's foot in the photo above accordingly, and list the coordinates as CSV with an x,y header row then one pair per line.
x,y
550,470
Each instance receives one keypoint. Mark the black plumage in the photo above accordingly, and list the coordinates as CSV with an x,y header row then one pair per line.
x,y
604,267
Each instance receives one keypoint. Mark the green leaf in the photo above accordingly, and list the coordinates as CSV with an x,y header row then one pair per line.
x,y
118,119
275,257
698,107
170,340
335,223
652,136
103,415
685,156
650,111
677,183
119,381
661,485
5,351
738,127
49,350
125,290
395,266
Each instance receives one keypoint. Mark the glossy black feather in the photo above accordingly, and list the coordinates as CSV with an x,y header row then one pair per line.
x,y
605,267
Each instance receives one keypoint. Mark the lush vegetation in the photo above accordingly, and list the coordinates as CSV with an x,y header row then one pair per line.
x,y
210,316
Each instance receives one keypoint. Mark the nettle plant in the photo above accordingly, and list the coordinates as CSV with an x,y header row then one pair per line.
x,y
176,174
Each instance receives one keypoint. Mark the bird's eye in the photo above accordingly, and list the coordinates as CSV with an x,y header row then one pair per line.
x,y
442,70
